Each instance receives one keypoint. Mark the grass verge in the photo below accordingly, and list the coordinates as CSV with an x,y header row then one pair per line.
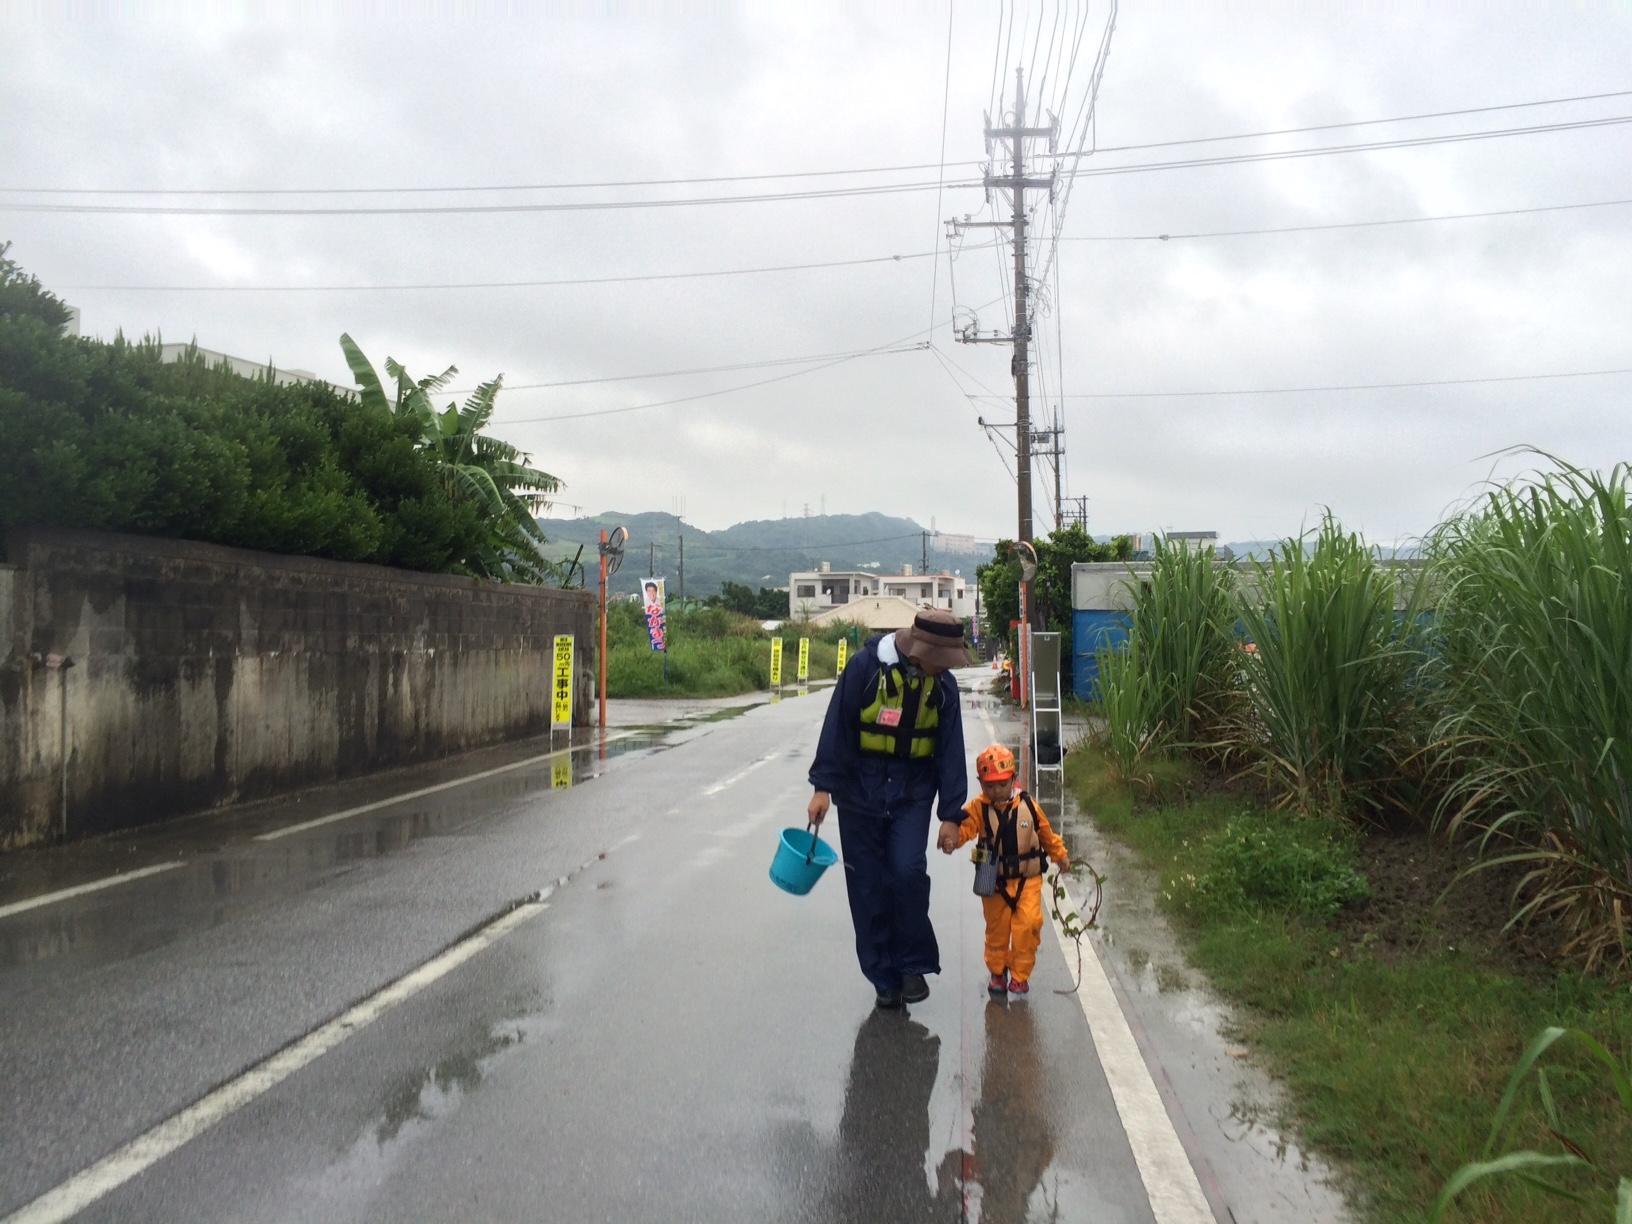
x,y
1393,1018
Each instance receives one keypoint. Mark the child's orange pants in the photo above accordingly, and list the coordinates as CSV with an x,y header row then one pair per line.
x,y
1012,936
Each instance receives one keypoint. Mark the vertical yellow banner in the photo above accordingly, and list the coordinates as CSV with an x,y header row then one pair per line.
x,y
561,684
844,657
804,660
776,662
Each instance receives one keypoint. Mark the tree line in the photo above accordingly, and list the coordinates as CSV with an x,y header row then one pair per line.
x,y
108,436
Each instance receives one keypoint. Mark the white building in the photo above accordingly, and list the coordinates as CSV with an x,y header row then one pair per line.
x,y
815,592
172,353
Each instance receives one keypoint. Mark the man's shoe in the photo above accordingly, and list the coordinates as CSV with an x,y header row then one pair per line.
x,y
914,989
998,986
888,999
1016,986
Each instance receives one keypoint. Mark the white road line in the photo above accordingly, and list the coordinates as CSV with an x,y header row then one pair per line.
x,y
291,830
146,1150
114,1170
739,775
1170,1180
79,890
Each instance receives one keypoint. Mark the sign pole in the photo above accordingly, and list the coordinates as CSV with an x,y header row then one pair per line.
x,y
600,688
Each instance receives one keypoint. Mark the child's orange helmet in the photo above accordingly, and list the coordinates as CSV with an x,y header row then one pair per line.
x,y
994,764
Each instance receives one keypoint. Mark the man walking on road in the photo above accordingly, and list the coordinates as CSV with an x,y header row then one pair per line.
x,y
891,744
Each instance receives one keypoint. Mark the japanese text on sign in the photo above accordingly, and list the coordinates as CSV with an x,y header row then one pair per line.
x,y
804,660
776,662
561,684
844,655
656,627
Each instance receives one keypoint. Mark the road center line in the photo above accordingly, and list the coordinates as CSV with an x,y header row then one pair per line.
x,y
146,1150
1170,1180
739,775
79,890
291,830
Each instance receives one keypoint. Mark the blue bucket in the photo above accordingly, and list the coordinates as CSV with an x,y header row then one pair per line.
x,y
801,857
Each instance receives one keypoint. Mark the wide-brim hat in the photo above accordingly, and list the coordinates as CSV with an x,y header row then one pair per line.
x,y
935,637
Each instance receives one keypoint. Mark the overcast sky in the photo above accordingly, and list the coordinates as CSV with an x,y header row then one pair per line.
x,y
473,95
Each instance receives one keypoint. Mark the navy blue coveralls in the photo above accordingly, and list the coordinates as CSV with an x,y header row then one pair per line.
x,y
884,806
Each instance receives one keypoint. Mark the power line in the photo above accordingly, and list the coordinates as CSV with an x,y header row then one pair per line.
x,y
514,284
882,350
1384,386
450,189
719,369
893,346
1412,142
946,98
1331,127
188,210
1343,225
639,278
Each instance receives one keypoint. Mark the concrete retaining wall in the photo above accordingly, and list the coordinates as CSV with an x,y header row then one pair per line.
x,y
141,678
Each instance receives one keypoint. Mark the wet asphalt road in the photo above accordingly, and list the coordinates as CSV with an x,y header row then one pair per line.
x,y
668,1038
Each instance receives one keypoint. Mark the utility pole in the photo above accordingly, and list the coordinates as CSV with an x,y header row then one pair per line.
x,y
1059,451
925,567
1016,182
682,569
1055,436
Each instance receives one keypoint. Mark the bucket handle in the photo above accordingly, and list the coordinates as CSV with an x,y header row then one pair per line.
x,y
810,855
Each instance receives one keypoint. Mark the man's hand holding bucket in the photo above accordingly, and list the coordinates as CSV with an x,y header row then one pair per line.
x,y
817,809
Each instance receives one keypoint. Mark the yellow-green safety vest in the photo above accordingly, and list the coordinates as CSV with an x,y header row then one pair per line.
x,y
916,721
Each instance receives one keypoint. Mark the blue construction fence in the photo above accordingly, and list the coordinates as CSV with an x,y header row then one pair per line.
x,y
1089,632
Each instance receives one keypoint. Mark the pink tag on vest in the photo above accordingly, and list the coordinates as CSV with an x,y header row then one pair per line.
x,y
889,717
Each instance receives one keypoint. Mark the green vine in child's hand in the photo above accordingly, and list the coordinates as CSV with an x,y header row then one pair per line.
x,y
1076,922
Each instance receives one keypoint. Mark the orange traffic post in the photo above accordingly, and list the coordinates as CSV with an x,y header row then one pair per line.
x,y
600,687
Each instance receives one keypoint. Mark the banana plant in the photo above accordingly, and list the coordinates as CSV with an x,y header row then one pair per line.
x,y
475,467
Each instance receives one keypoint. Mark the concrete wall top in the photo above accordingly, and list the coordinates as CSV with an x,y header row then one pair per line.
x,y
1107,586
24,544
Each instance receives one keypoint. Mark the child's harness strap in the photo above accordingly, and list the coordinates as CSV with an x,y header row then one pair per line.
x,y
1003,842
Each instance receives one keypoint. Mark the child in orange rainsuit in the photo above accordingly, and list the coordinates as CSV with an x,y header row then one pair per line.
x,y
1012,829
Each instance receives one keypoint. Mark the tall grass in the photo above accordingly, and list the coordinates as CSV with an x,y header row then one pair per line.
x,y
1128,706
1170,686
1330,700
1535,623
711,653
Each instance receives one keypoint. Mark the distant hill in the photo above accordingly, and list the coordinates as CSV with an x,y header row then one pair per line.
x,y
1259,550
761,553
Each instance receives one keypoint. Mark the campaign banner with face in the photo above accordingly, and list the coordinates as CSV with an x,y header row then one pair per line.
x,y
651,593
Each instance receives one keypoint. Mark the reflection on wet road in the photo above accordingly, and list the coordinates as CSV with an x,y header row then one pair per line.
x,y
666,1036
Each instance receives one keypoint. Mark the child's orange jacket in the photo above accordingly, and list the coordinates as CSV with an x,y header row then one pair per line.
x,y
1017,845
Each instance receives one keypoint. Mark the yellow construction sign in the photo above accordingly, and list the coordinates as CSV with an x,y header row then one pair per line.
x,y
776,662
844,656
561,684
804,660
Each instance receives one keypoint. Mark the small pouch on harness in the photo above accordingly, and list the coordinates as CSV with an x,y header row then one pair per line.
x,y
985,873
